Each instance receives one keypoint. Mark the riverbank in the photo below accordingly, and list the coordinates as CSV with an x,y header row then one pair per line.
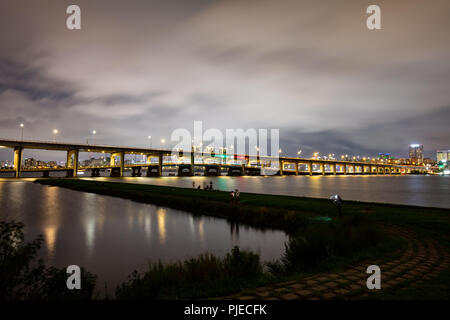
x,y
294,215
287,213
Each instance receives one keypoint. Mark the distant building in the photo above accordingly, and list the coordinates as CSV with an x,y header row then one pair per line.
x,y
416,153
404,161
443,155
29,163
429,162
384,156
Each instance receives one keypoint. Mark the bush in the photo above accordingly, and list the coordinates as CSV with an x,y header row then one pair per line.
x,y
23,276
320,243
204,276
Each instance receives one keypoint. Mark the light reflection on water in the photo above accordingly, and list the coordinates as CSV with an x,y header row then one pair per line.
x,y
112,237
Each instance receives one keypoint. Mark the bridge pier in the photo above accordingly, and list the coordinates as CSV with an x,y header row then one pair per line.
x,y
296,168
185,170
120,171
153,171
281,164
237,171
136,171
17,161
160,163
252,171
333,168
72,162
310,168
322,168
212,170
95,172
193,161
69,173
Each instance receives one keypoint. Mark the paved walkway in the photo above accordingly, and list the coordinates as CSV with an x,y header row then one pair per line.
x,y
421,261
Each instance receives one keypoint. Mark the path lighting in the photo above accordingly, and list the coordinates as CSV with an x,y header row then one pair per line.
x,y
337,201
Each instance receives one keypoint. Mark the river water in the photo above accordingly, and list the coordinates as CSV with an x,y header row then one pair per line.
x,y
111,237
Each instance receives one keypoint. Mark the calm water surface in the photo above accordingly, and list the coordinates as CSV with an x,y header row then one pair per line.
x,y
112,237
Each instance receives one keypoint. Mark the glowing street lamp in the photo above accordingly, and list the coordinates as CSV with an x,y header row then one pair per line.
x,y
94,132
55,132
163,141
21,129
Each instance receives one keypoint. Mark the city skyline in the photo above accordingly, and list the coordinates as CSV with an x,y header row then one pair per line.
x,y
322,78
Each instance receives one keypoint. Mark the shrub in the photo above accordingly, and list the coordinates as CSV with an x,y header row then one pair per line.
x,y
23,276
346,238
203,276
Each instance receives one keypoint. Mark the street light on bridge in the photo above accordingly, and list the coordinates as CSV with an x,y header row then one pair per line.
x,y
94,132
21,128
150,141
55,132
163,141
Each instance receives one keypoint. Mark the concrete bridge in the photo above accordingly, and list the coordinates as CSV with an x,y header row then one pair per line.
x,y
210,164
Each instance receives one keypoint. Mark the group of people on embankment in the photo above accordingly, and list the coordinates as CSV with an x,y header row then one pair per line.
x,y
234,194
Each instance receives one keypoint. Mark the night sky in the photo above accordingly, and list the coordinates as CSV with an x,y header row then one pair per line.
x,y
310,68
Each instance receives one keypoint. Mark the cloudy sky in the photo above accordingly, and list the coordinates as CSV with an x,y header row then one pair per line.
x,y
310,68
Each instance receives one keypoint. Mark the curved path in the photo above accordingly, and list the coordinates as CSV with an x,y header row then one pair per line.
x,y
421,261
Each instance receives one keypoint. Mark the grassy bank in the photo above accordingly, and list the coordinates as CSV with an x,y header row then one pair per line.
x,y
313,246
286,213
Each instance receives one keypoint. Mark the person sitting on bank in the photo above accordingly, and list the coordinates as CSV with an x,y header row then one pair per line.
x,y
233,196
236,195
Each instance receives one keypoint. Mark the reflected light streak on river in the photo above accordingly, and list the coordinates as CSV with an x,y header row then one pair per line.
x,y
111,237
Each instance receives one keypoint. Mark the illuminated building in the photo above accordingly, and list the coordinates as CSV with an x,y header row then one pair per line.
x,y
416,153
443,155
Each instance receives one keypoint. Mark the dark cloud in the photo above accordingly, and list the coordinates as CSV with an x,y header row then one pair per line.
x,y
32,82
